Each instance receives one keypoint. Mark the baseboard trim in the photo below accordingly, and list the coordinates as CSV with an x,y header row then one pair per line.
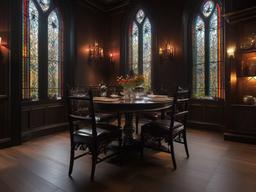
x,y
240,138
6,142
206,126
42,131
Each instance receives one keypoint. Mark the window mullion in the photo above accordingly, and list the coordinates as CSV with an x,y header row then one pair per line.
x,y
43,58
207,60
140,66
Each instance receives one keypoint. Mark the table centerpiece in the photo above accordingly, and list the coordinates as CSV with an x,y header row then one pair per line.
x,y
129,83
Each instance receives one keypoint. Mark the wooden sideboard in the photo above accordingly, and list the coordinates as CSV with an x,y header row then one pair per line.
x,y
241,124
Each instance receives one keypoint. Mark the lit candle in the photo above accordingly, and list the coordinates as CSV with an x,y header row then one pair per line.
x,y
231,51
160,51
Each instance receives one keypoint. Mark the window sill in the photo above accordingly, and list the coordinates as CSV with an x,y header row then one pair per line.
x,y
207,100
42,102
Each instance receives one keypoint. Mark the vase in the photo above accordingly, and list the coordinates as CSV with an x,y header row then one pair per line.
x,y
128,93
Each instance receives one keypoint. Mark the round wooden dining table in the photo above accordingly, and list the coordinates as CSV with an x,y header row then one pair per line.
x,y
129,107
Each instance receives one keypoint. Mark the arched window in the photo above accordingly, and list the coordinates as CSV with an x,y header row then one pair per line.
x,y
140,46
207,57
42,38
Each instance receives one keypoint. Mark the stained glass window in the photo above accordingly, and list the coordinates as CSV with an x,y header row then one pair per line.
x,y
141,47
34,53
199,59
135,48
45,4
207,8
54,56
147,53
207,59
140,16
214,55
30,51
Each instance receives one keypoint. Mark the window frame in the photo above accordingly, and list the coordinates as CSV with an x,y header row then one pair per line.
x,y
221,64
132,19
43,53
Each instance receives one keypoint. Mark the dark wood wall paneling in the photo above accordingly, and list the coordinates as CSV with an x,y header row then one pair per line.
x,y
90,28
166,18
171,23
44,117
5,133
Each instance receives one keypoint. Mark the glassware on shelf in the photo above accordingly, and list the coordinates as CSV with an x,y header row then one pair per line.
x,y
249,100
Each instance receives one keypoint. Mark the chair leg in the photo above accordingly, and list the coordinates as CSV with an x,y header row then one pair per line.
x,y
94,162
120,142
137,123
119,120
185,143
72,156
173,155
141,145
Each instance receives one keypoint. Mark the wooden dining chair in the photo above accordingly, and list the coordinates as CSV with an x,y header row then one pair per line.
x,y
169,130
87,135
99,116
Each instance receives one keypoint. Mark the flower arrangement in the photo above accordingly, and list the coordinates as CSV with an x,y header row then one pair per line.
x,y
130,81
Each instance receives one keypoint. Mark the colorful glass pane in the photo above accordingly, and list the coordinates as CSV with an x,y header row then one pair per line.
x,y
25,50
199,58
135,48
207,8
32,46
54,56
44,4
140,16
147,52
214,54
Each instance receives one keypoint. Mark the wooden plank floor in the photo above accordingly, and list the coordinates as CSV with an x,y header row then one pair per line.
x,y
41,165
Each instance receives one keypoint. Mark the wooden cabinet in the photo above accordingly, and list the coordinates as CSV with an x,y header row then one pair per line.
x,y
241,72
241,124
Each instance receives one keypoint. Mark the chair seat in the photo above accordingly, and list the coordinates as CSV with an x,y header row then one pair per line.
x,y
151,115
162,127
104,132
100,117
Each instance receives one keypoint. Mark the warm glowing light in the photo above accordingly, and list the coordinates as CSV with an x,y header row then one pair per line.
x,y
168,47
231,51
233,78
168,50
160,51
0,41
95,51
252,78
101,52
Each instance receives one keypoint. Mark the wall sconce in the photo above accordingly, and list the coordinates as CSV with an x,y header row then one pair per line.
x,y
167,51
231,52
3,46
2,43
96,52
233,78
111,57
